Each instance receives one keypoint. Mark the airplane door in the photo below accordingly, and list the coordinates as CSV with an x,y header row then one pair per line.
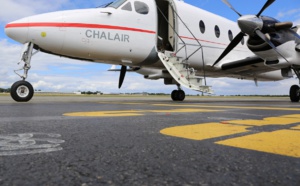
x,y
166,36
171,35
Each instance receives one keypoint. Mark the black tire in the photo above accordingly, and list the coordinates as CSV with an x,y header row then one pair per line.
x,y
178,95
174,95
21,91
294,93
181,95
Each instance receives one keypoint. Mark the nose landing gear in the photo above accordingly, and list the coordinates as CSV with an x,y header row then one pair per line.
x,y
22,91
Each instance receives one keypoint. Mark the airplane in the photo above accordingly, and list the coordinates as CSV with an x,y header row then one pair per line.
x,y
163,39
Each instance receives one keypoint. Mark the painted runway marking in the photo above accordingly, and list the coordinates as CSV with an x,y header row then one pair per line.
x,y
228,107
277,135
29,143
124,113
206,106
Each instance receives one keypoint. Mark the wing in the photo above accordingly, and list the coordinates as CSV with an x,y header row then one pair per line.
x,y
249,68
247,65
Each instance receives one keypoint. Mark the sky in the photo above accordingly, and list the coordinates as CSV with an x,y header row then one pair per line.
x,y
52,73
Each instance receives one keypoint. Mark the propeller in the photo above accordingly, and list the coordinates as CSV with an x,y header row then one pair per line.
x,y
231,46
231,7
122,75
252,25
268,3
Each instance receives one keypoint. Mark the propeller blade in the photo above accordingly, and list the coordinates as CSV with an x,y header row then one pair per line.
x,y
264,37
231,46
231,7
122,75
268,3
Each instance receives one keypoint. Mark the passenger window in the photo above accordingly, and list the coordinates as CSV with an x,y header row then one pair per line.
x,y
202,27
217,31
141,7
230,35
127,7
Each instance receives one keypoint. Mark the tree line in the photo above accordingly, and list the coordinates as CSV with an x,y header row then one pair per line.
x,y
5,90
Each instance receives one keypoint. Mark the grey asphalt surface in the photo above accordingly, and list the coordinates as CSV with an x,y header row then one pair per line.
x,y
39,145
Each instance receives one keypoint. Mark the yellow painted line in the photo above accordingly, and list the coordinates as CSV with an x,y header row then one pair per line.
x,y
203,131
282,142
206,106
291,116
296,128
187,110
267,121
122,103
125,113
105,114
229,107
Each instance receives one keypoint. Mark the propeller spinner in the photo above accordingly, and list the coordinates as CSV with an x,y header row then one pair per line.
x,y
252,25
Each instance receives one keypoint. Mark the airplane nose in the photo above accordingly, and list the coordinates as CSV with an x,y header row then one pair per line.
x,y
18,30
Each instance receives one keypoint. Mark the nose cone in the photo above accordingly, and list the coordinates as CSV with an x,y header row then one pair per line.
x,y
250,23
18,30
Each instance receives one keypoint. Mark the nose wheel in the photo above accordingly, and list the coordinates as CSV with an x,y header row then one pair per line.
x,y
21,91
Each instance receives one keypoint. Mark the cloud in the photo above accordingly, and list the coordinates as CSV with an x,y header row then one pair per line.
x,y
292,12
15,9
11,10
290,15
297,22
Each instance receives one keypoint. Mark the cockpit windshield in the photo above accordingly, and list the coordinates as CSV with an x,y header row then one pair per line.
x,y
116,4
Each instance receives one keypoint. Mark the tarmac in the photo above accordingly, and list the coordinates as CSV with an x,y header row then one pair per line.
x,y
149,140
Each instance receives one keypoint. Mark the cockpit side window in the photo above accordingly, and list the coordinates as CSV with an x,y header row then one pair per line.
x,y
127,7
116,4
141,8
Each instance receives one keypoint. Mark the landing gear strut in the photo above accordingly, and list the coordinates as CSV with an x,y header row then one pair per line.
x,y
178,95
295,89
22,91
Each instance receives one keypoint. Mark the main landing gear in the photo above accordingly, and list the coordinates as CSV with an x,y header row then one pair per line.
x,y
178,95
295,93
22,91
295,89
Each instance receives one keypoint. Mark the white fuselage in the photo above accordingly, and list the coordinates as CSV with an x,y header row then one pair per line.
x,y
123,37
112,35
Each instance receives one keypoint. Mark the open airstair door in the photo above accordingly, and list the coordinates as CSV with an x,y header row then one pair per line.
x,y
167,39
166,36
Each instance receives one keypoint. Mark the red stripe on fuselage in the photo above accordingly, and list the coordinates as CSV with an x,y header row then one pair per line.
x,y
76,25
191,38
